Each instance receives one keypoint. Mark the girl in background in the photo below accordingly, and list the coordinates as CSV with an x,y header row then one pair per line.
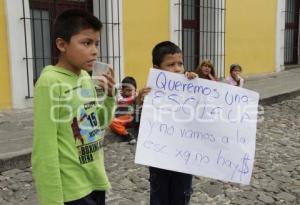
x,y
235,76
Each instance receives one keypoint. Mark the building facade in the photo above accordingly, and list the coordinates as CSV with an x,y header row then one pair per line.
x,y
5,86
262,36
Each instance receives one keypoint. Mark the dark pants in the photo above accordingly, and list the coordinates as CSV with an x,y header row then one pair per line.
x,y
94,198
169,187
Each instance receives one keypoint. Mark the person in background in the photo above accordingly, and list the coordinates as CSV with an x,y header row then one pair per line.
x,y
235,76
206,70
125,111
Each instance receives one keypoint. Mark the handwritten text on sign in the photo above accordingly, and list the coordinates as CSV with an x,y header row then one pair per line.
x,y
199,127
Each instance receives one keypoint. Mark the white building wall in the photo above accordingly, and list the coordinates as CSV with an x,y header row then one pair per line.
x,y
17,52
280,25
175,22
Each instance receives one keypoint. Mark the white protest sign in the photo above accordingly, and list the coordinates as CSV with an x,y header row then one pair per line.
x,y
199,127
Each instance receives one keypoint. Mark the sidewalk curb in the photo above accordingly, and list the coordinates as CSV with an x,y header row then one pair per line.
x,y
19,160
22,159
279,98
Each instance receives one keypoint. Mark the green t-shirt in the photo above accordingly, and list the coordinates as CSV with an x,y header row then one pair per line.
x,y
67,157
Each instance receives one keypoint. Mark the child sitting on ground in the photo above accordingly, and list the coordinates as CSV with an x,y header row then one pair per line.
x,y
125,112
235,77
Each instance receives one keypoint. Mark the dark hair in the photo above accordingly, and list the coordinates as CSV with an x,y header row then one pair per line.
x,y
72,21
235,66
162,49
208,63
128,81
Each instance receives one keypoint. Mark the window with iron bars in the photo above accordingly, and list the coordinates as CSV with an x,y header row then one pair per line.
x,y
201,32
41,52
291,33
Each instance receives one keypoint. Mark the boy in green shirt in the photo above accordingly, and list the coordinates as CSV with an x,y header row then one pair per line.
x,y
69,123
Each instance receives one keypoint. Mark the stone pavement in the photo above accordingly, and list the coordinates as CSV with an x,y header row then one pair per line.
x,y
15,138
275,179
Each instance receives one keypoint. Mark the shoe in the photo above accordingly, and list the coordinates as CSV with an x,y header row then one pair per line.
x,y
132,141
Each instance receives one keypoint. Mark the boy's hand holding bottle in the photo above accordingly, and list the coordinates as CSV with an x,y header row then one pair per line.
x,y
103,78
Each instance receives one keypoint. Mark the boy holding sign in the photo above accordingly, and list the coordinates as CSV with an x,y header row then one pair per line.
x,y
169,187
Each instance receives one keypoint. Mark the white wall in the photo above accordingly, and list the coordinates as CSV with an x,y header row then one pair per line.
x,y
175,22
220,39
17,51
280,35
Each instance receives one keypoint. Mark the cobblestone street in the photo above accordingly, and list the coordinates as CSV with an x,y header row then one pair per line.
x,y
275,178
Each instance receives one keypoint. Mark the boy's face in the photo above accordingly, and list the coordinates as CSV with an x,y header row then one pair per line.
x,y
128,91
81,52
172,63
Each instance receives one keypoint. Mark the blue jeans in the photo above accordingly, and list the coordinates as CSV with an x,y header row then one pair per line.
x,y
169,187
